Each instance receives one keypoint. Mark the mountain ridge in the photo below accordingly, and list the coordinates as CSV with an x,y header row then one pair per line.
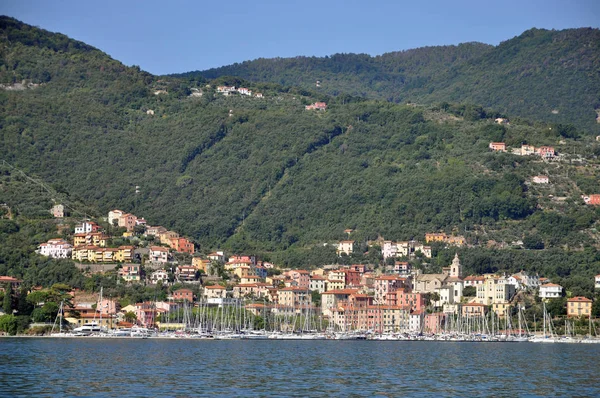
x,y
564,62
266,174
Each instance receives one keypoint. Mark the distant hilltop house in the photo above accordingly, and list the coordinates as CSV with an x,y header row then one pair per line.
x,y
345,246
458,240
501,120
498,146
545,152
593,200
245,91
540,180
58,211
226,90
321,106
527,150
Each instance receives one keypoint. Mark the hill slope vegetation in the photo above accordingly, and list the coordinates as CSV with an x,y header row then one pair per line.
x,y
544,75
264,174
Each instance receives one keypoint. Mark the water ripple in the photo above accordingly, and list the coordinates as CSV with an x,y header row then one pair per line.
x,y
184,368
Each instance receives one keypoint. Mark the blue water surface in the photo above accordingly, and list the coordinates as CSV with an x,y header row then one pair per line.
x,y
91,367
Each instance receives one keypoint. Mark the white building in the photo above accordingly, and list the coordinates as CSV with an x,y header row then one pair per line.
x,y
56,248
85,227
159,254
317,283
416,321
540,180
114,215
160,275
550,290
524,281
597,282
345,246
426,250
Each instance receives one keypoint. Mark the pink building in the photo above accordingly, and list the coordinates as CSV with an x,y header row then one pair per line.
x,y
183,295
434,323
128,221
317,105
406,298
387,284
546,152
498,146
302,277
146,314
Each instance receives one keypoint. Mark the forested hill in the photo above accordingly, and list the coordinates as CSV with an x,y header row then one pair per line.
x,y
263,173
544,75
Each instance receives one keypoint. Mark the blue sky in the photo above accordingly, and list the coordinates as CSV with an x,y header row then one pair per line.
x,y
178,36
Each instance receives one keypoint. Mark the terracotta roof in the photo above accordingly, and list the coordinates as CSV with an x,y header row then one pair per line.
x,y
580,299
342,291
214,287
9,279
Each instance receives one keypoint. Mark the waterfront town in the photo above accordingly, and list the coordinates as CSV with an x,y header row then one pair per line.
x,y
221,294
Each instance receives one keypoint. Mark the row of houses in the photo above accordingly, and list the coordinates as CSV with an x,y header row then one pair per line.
x,y
545,152
228,90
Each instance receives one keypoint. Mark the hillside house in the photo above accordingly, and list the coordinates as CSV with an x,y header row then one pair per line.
x,y
540,179
15,283
498,146
127,221
130,272
545,152
158,254
597,282
183,295
56,248
155,231
527,150
215,291
592,200
114,215
58,211
550,290
579,306
185,273
345,246
321,106
86,227
217,256
226,90
181,245
159,276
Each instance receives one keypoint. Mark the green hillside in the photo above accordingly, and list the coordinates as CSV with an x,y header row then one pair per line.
x,y
544,75
266,175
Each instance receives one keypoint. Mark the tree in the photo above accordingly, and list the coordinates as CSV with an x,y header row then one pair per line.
x,y
130,317
596,306
7,302
315,298
470,291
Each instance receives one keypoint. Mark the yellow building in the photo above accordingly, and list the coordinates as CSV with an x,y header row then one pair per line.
x,y
334,284
201,264
124,254
579,306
